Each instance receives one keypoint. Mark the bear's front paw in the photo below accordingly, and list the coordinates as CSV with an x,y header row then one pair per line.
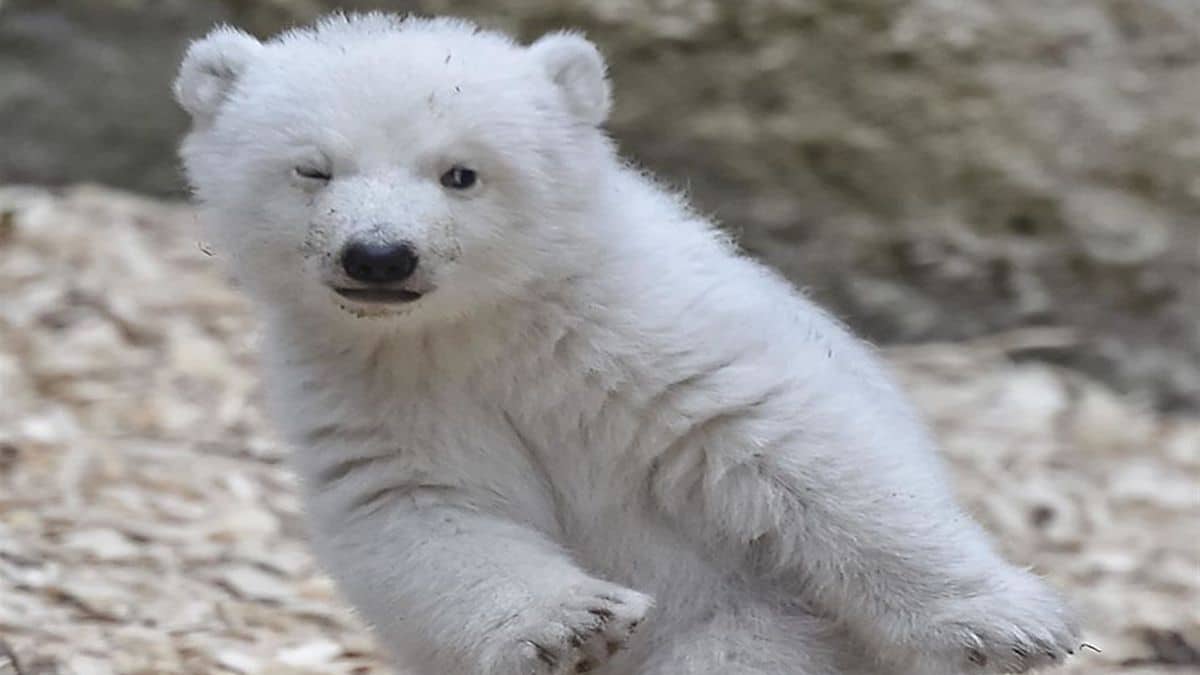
x,y
1017,626
578,631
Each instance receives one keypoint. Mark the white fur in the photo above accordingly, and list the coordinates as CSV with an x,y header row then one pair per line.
x,y
597,402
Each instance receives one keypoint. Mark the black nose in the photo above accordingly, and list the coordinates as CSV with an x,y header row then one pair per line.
x,y
379,263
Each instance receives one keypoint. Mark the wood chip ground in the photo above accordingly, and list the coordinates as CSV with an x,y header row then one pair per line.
x,y
149,526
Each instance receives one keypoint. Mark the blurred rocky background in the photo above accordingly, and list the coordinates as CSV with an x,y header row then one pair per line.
x,y
1006,192
933,169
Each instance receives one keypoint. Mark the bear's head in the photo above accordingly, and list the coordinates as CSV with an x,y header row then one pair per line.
x,y
394,166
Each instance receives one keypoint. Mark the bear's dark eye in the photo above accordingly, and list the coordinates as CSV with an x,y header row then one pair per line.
x,y
459,178
313,173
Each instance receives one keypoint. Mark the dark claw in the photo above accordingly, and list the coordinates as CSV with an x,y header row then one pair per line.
x,y
977,657
604,614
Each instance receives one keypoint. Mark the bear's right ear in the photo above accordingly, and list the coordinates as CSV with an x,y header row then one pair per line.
x,y
576,67
210,68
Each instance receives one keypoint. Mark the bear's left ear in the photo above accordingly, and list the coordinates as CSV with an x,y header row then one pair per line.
x,y
210,68
576,67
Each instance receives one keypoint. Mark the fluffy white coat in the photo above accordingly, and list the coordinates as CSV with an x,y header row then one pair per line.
x,y
601,440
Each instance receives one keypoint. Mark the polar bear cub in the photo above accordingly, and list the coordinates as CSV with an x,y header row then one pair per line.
x,y
548,420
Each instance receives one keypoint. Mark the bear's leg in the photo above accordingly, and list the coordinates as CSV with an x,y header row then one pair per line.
x,y
870,536
452,590
755,641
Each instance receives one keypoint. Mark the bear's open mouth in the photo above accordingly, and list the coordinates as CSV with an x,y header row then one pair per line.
x,y
378,295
